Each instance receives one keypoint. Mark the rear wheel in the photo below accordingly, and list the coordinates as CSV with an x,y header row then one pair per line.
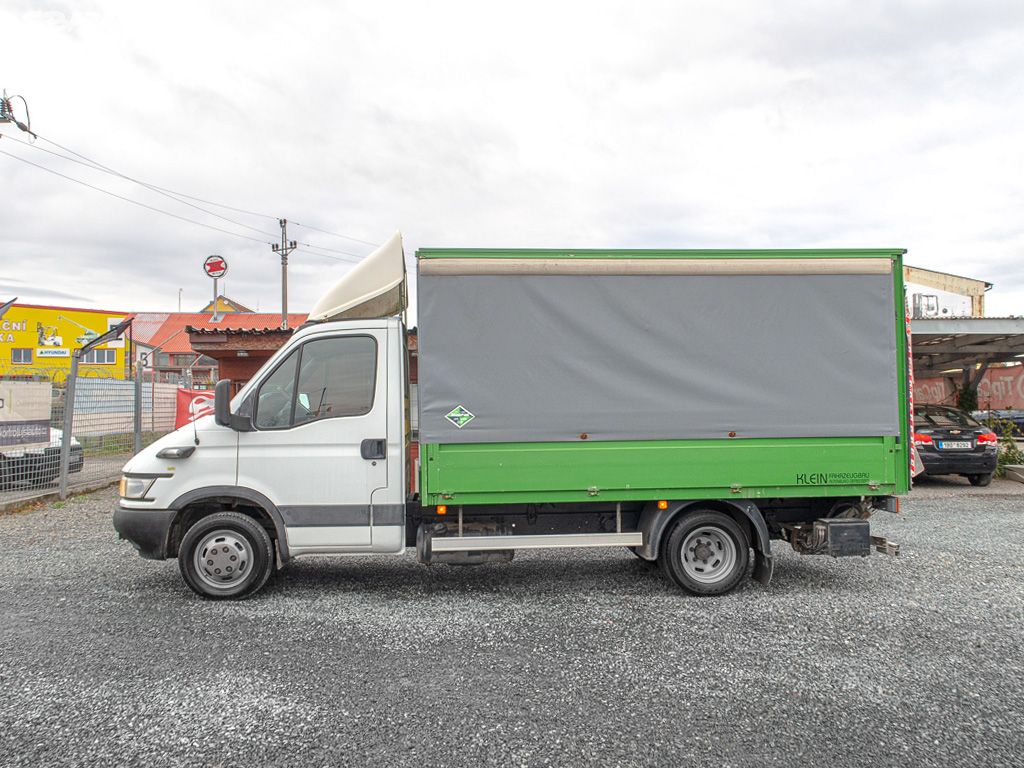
x,y
226,555
705,552
980,480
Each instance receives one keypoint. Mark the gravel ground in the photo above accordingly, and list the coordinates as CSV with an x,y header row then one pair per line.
x,y
558,658
954,486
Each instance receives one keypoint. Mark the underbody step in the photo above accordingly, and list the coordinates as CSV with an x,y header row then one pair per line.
x,y
536,541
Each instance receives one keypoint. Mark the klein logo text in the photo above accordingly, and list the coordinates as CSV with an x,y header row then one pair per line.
x,y
831,478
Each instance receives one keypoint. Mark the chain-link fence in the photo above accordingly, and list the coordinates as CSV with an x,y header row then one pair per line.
x,y
110,418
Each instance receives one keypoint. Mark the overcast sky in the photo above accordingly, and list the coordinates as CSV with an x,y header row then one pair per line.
x,y
589,124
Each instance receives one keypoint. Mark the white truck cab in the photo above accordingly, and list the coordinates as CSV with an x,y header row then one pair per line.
x,y
308,455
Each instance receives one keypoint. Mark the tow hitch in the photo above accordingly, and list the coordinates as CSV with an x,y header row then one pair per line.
x,y
886,547
838,537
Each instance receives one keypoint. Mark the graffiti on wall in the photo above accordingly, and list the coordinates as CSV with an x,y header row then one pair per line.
x,y
999,388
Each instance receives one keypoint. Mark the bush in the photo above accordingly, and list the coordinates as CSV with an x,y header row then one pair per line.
x,y
967,399
1009,451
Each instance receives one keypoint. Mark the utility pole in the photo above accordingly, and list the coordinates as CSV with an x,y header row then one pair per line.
x,y
286,247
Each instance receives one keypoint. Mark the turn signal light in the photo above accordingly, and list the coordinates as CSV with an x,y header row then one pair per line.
x,y
922,439
987,438
442,509
662,504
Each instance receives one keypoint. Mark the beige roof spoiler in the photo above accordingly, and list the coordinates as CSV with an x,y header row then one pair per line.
x,y
375,287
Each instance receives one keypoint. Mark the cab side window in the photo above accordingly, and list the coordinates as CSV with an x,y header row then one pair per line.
x,y
336,378
274,401
323,379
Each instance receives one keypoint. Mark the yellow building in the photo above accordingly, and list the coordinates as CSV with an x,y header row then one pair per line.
x,y
225,306
39,340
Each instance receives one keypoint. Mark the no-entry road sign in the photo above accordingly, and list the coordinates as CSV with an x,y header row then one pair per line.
x,y
215,266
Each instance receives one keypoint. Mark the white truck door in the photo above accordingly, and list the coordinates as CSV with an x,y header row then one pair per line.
x,y
319,449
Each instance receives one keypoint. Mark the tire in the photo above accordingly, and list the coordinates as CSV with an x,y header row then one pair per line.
x,y
716,537
980,480
226,555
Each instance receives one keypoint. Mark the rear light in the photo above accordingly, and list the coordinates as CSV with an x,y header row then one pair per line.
x,y
920,439
987,438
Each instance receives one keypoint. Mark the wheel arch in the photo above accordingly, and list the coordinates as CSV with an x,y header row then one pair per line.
x,y
233,497
654,523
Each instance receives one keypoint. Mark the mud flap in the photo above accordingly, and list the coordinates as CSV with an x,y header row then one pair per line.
x,y
764,566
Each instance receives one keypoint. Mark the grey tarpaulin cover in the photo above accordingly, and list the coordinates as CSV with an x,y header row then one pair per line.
x,y
650,357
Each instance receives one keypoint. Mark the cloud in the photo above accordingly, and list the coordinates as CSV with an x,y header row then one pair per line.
x,y
668,124
27,293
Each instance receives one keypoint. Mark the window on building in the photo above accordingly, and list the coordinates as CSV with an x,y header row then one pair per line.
x,y
100,357
21,356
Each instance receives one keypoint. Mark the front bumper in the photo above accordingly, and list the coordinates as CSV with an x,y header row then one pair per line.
x,y
951,463
148,530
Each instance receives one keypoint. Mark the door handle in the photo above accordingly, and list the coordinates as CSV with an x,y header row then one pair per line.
x,y
372,448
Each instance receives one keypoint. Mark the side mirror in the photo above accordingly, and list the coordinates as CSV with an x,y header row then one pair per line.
x,y
222,403
222,409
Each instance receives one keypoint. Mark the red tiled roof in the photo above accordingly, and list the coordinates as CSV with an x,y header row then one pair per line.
x,y
173,338
146,325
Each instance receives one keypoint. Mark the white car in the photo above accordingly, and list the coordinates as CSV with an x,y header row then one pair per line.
x,y
38,466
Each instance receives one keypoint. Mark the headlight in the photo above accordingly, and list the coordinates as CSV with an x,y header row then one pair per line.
x,y
135,487
178,452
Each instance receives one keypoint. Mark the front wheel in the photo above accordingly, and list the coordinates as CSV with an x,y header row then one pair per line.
x,y
980,480
705,553
226,555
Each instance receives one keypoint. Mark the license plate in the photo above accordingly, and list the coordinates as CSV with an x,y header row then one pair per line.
x,y
944,444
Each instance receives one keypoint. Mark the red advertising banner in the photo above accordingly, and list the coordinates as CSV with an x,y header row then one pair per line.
x,y
192,404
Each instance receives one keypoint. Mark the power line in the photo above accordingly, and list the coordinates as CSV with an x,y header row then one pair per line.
x,y
175,195
88,162
98,167
308,247
154,186
356,256
335,234
133,202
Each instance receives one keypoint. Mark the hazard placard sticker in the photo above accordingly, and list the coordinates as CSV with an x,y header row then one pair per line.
x,y
459,416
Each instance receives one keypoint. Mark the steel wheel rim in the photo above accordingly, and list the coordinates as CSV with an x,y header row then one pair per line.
x,y
708,555
222,559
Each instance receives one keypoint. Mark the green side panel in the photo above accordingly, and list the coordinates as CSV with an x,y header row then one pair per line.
x,y
515,473
598,253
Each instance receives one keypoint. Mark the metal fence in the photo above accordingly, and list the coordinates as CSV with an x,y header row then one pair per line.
x,y
110,420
